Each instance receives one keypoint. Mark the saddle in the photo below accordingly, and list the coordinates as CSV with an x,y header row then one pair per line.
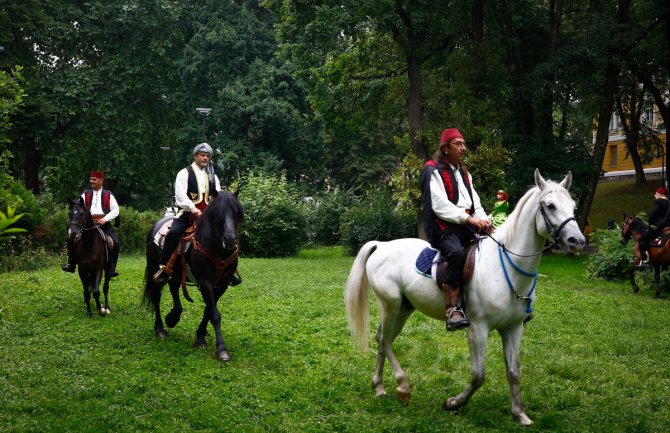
x,y
661,240
430,264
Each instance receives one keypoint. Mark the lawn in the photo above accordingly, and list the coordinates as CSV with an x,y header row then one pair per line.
x,y
594,359
612,199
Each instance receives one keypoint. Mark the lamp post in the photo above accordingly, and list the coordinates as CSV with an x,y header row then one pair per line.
x,y
204,112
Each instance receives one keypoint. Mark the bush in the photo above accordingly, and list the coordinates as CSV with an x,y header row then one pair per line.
x,y
324,220
612,260
374,217
275,221
17,196
134,228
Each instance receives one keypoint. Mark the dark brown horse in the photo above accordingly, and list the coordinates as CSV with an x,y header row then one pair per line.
x,y
211,260
91,254
634,227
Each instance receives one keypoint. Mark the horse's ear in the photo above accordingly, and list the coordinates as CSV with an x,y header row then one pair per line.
x,y
81,201
565,183
539,180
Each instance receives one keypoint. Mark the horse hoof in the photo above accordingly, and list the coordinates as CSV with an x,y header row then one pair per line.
x,y
103,312
523,419
223,356
450,405
161,335
107,310
380,392
200,345
403,396
172,318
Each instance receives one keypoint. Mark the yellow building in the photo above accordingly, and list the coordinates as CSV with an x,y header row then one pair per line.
x,y
617,162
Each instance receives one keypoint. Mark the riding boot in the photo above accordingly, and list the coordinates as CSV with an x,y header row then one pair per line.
x,y
113,272
71,265
454,316
235,279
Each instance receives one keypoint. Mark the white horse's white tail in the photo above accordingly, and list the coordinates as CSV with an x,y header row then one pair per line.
x,y
356,296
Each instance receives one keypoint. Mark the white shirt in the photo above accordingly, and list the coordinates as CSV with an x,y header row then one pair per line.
x,y
448,211
96,205
181,197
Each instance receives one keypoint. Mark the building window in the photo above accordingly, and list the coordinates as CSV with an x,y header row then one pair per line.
x,y
613,158
648,116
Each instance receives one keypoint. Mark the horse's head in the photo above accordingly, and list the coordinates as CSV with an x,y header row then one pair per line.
x,y
223,218
77,216
629,227
556,216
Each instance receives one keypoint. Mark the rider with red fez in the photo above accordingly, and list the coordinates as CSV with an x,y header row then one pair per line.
x,y
658,216
452,215
194,188
104,209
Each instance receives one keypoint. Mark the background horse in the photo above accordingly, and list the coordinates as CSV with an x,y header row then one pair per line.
x,y
211,259
91,254
634,227
499,295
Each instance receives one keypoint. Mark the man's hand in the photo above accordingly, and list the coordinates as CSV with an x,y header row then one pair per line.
x,y
196,212
101,221
478,223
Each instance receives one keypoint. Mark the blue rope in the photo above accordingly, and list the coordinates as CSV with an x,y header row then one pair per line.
x,y
529,308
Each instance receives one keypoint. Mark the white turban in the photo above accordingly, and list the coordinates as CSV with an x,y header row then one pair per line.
x,y
202,148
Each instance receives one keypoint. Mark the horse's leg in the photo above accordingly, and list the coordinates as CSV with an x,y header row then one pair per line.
x,y
393,319
657,277
96,278
511,339
83,276
478,336
201,332
105,291
156,293
211,295
173,317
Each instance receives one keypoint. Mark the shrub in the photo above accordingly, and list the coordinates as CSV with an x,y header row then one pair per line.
x,y
612,260
374,217
275,222
324,220
134,228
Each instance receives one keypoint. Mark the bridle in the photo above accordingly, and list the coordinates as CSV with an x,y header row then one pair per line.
x,y
81,227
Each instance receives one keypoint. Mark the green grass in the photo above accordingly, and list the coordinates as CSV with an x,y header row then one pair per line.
x,y
594,359
612,199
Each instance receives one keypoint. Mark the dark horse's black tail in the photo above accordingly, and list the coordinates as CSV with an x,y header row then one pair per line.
x,y
152,292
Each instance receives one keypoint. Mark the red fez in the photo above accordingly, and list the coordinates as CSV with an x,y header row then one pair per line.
x,y
450,134
662,190
98,174
502,193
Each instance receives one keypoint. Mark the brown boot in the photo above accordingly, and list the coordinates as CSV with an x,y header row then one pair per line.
x,y
455,316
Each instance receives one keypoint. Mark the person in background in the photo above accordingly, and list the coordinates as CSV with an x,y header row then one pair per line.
x,y
500,209
658,220
452,216
104,209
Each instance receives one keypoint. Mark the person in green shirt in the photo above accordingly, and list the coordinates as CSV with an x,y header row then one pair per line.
x,y
500,209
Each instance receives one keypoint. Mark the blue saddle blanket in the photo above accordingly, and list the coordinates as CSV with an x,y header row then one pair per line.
x,y
425,261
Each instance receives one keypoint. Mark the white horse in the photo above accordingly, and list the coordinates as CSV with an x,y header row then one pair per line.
x,y
499,296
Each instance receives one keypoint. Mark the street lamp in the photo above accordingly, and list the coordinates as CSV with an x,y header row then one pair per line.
x,y
204,112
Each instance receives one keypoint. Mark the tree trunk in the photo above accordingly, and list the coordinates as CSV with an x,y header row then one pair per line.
x,y
604,115
414,107
31,165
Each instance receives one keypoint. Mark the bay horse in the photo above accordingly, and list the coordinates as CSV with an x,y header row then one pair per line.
x,y
499,295
91,254
634,227
211,261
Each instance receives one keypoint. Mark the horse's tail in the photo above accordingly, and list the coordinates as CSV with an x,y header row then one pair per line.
x,y
356,296
152,292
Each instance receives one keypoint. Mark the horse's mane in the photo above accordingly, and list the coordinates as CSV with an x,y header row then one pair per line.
x,y
215,216
507,231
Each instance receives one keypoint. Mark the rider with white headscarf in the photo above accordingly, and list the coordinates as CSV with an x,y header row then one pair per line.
x,y
194,188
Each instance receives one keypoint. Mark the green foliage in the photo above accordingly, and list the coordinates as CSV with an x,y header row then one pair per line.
x,y
489,165
275,219
6,221
374,217
134,228
327,209
612,260
16,195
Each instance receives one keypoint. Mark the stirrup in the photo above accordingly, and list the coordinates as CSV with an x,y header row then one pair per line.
x,y
161,277
462,323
